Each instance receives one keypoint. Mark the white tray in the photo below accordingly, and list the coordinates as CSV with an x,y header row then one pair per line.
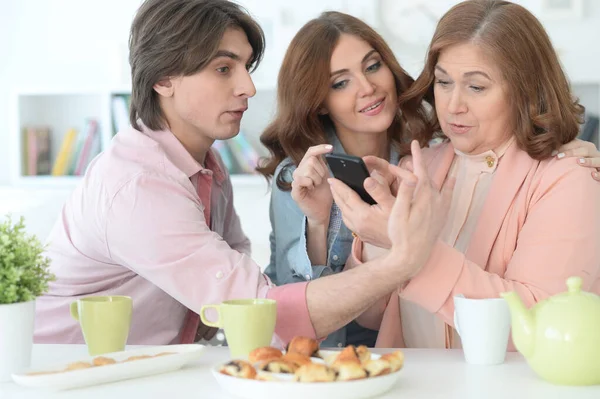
x,y
356,389
182,354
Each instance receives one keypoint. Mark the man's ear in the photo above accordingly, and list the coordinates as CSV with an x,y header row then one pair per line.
x,y
164,87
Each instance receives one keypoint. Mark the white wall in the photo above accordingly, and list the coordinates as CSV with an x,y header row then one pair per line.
x,y
83,43
73,44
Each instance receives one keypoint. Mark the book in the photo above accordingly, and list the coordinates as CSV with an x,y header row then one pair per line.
x,y
36,151
61,163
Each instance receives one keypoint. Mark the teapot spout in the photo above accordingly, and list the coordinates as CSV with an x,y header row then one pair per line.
x,y
523,323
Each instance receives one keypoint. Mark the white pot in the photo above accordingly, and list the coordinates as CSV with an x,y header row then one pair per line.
x,y
16,338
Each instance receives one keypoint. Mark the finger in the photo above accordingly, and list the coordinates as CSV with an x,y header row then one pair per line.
x,y
596,176
318,150
375,163
379,190
583,152
349,197
310,170
317,164
339,194
303,182
420,169
402,174
402,205
324,166
576,144
409,165
589,162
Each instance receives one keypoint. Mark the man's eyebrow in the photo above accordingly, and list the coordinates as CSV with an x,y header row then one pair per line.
x,y
366,57
229,54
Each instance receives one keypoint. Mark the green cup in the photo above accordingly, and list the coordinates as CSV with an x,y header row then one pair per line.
x,y
248,323
104,322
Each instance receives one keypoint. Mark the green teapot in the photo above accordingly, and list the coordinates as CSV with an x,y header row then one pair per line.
x,y
559,336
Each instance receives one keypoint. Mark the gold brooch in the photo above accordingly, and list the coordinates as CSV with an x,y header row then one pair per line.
x,y
490,161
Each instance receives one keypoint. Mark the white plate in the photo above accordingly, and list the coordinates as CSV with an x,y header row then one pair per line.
x,y
182,354
357,389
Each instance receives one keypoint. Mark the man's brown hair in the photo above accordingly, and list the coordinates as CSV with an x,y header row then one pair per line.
x,y
179,38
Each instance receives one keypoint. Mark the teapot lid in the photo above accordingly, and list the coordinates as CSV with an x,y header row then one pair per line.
x,y
575,293
574,285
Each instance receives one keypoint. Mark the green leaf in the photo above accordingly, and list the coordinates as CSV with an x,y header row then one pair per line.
x,y
24,270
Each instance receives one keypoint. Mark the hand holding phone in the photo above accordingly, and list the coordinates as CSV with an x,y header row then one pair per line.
x,y
352,171
310,190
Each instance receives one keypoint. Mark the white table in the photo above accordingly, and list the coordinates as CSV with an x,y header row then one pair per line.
x,y
426,374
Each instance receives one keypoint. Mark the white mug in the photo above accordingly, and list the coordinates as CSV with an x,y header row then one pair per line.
x,y
484,328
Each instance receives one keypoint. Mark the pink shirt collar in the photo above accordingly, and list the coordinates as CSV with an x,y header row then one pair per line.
x,y
181,158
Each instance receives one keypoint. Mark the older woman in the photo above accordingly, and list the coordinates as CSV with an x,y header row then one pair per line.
x,y
519,219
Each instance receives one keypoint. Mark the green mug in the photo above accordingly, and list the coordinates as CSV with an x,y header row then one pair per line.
x,y
248,323
104,322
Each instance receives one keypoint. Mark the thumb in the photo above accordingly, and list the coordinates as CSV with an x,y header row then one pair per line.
x,y
378,188
404,197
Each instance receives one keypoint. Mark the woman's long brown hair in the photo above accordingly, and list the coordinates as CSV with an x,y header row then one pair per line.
x,y
303,84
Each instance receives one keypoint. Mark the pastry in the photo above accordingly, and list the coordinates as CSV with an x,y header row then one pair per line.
x,y
103,361
314,372
395,359
139,357
330,358
238,368
78,366
376,367
278,366
347,371
306,346
347,355
164,354
296,358
364,355
32,373
264,354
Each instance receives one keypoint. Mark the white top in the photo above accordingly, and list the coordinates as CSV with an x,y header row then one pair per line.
x,y
427,374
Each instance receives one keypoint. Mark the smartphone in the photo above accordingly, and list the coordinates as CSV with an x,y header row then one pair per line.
x,y
352,171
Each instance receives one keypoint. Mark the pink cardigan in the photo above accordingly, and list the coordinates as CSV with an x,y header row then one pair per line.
x,y
540,224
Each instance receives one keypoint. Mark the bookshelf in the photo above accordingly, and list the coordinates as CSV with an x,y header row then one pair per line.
x,y
58,111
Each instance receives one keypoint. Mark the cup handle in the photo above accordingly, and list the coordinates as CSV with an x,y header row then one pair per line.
x,y
74,311
456,323
205,321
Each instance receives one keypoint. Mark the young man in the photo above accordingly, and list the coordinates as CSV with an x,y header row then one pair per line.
x,y
154,219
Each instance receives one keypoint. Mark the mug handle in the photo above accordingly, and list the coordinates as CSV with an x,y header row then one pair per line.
x,y
74,311
205,321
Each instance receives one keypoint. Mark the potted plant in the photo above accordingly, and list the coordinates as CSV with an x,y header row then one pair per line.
x,y
24,275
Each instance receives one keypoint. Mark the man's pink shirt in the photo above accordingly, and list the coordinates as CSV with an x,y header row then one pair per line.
x,y
135,226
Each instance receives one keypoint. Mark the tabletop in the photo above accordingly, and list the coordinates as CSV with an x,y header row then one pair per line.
x,y
427,373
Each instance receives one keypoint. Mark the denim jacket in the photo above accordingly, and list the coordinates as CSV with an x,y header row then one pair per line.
x,y
289,260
